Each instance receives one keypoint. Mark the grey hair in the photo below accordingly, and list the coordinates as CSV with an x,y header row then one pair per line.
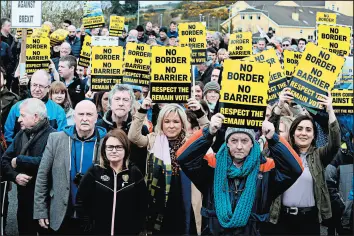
x,y
35,106
120,88
168,109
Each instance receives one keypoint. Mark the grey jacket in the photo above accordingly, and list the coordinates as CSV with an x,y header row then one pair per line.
x,y
52,190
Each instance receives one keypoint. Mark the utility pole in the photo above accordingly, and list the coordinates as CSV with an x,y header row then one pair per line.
x,y
161,20
200,17
208,22
230,9
138,13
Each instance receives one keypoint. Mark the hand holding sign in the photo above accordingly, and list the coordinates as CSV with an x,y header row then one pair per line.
x,y
326,101
147,102
285,96
193,104
268,129
216,123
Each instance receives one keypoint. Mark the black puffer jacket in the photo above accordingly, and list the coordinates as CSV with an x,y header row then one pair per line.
x,y
107,196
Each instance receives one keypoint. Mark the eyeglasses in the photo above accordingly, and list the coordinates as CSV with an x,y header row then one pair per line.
x,y
39,86
286,45
119,148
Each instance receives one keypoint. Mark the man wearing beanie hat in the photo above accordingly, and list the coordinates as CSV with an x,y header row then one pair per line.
x,y
211,94
238,183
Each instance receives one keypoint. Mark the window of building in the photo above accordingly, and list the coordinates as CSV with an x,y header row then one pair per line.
x,y
300,10
259,16
250,17
311,12
333,7
310,37
242,17
337,8
305,22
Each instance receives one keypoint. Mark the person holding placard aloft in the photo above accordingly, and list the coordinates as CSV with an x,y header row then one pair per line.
x,y
307,202
238,183
170,206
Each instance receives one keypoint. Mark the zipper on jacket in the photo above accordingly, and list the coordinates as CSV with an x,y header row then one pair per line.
x,y
114,202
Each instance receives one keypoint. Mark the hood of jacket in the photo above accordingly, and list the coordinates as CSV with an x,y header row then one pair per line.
x,y
71,132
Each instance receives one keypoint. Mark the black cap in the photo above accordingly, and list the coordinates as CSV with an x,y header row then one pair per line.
x,y
163,29
172,36
140,28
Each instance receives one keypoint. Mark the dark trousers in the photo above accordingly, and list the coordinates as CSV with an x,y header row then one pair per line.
x,y
301,224
70,226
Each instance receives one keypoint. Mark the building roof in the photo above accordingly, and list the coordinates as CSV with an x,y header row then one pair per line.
x,y
282,15
259,3
311,3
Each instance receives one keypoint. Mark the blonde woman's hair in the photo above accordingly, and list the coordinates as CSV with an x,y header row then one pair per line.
x,y
287,121
167,109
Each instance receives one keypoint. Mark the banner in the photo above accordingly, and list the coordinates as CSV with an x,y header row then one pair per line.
x,y
345,79
291,60
244,93
58,36
116,25
137,64
326,17
240,45
93,15
26,14
315,74
342,101
334,38
170,74
277,79
41,32
85,54
106,67
104,41
37,54
194,36
19,32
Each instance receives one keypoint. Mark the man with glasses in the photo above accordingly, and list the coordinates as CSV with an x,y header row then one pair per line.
x,y
286,44
121,100
39,88
74,41
67,157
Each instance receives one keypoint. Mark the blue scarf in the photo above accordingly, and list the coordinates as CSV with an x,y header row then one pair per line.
x,y
225,170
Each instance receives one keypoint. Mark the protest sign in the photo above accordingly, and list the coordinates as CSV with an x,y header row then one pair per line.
x,y
58,36
26,14
137,64
342,101
194,36
334,38
326,17
315,74
277,79
244,93
345,79
85,54
116,25
93,15
37,54
170,74
104,41
291,60
240,45
106,67
41,32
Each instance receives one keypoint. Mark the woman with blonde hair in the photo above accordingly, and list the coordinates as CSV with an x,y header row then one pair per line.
x,y
170,207
60,95
113,194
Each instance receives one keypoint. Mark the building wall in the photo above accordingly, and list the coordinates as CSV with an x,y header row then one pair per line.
x,y
343,7
295,32
239,6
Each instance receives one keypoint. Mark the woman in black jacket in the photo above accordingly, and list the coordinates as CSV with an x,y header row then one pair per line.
x,y
114,193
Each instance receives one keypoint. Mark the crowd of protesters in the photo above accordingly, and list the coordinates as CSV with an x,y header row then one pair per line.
x,y
114,162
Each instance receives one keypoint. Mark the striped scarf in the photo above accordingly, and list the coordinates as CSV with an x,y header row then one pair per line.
x,y
225,170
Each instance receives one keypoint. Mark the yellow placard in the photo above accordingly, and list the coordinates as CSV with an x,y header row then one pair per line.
x,y
37,54
107,66
116,25
193,35
326,17
335,38
58,36
85,54
244,93
137,64
315,74
170,74
93,15
240,45
291,60
342,101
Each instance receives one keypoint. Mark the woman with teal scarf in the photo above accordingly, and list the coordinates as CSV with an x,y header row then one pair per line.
x,y
238,183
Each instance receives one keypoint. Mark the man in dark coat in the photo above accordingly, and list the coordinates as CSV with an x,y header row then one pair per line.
x,y
21,160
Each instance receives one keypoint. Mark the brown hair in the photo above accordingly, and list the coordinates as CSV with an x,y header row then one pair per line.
x,y
58,86
293,127
123,138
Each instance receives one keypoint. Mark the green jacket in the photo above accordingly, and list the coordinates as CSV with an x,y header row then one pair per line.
x,y
317,159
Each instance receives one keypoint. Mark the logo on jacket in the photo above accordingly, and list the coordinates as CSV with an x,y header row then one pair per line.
x,y
105,178
125,179
78,89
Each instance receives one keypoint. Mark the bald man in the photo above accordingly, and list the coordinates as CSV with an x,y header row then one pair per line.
x,y
39,88
67,157
75,42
